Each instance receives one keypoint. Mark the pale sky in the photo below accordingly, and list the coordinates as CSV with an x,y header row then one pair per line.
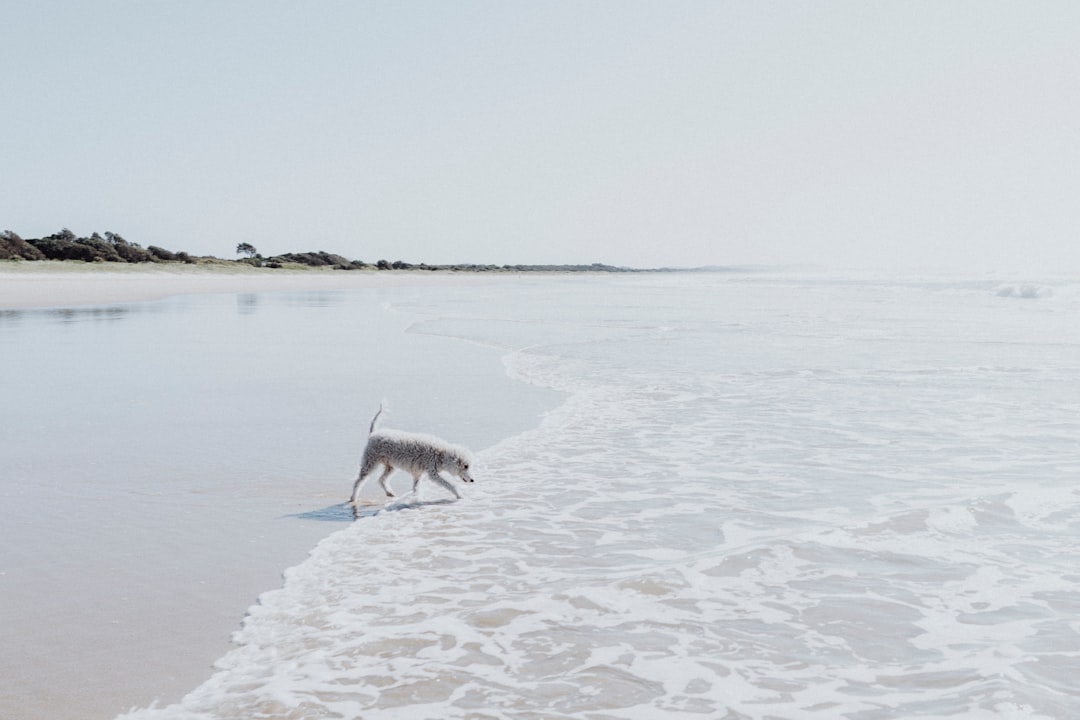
x,y
632,133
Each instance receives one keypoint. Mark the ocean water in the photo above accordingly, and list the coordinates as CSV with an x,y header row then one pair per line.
x,y
764,495
755,495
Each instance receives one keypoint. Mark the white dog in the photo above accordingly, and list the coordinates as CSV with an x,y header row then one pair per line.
x,y
415,454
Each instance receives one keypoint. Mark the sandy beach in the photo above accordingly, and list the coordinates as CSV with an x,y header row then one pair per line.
x,y
165,461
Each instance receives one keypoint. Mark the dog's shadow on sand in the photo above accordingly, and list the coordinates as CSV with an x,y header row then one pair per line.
x,y
347,512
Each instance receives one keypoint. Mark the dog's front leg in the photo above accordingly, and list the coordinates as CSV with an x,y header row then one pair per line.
x,y
382,480
356,485
434,475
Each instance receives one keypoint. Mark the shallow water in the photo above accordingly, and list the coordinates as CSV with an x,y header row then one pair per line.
x,y
766,495
162,463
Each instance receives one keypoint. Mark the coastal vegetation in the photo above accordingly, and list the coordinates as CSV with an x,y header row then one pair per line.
x,y
64,245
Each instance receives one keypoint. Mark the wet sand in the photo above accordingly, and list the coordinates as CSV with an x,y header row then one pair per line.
x,y
69,284
151,493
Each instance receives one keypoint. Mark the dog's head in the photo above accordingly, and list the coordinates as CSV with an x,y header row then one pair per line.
x,y
457,463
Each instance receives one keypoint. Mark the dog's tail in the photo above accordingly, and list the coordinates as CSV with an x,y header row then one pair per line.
x,y
371,429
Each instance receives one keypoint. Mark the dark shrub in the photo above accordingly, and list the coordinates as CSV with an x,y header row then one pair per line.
x,y
13,247
128,251
315,259
161,254
304,258
63,246
133,253
102,250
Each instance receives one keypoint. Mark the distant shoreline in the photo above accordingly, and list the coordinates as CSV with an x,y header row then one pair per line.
x,y
219,265
283,262
30,284
113,250
64,284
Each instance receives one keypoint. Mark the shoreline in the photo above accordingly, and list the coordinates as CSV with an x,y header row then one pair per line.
x,y
30,284
53,284
167,616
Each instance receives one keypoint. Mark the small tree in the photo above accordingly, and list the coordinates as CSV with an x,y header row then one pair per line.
x,y
246,249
